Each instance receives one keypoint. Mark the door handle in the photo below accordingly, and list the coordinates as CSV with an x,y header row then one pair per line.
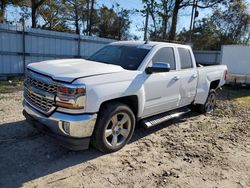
x,y
176,78
194,76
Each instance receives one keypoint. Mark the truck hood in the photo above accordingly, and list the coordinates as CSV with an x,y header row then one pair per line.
x,y
68,70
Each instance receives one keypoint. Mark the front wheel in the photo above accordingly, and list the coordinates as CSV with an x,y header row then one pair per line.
x,y
114,127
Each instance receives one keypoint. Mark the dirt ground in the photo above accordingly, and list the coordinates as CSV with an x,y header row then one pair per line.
x,y
194,151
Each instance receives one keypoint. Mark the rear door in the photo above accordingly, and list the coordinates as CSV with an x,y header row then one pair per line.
x,y
188,76
162,89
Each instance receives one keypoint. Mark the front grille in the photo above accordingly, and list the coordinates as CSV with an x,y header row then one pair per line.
x,y
43,104
51,88
40,91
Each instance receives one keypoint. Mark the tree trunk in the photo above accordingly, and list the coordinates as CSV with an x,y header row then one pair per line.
x,y
146,25
154,24
174,20
165,19
91,17
87,18
2,11
35,4
76,19
33,13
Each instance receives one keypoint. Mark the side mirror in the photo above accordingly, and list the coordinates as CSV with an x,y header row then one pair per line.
x,y
158,67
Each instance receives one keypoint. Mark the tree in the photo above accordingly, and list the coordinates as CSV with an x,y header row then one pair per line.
x,y
228,24
180,4
72,9
91,17
205,37
150,9
112,24
159,12
53,16
35,4
167,6
123,23
233,22
4,4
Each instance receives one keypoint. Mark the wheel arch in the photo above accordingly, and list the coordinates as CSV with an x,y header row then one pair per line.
x,y
214,84
131,101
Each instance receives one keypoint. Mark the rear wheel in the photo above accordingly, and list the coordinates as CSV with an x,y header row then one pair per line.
x,y
209,105
114,128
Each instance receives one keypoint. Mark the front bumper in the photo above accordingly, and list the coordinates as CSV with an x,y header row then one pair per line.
x,y
72,131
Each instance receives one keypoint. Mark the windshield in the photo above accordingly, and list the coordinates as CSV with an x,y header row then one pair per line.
x,y
128,57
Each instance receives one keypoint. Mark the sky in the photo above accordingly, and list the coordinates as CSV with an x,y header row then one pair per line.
x,y
137,19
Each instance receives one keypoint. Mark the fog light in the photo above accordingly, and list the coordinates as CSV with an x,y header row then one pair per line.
x,y
66,126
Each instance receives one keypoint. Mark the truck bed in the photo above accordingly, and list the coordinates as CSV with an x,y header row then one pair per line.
x,y
208,74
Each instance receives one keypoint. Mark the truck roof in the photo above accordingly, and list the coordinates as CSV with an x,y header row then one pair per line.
x,y
149,43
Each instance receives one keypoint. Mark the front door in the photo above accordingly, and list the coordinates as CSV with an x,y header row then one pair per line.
x,y
162,89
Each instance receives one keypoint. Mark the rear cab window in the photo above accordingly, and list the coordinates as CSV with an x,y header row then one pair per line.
x,y
185,58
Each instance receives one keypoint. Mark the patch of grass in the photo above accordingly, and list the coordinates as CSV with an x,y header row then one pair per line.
x,y
210,126
10,86
3,97
240,95
244,101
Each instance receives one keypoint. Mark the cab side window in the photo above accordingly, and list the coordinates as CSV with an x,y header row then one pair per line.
x,y
185,58
165,55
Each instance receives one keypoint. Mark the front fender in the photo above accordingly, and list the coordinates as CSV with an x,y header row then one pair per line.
x,y
100,93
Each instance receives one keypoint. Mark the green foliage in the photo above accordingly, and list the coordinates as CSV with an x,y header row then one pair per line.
x,y
52,12
233,22
228,24
205,36
113,24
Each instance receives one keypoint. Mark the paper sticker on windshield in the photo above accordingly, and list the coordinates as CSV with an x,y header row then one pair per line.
x,y
144,46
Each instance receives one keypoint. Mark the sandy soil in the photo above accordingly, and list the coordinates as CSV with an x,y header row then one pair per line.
x,y
194,151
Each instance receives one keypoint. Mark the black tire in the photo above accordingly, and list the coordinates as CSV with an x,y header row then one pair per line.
x,y
210,103
105,123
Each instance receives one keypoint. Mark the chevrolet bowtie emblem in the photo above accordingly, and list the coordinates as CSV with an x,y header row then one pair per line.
x,y
29,90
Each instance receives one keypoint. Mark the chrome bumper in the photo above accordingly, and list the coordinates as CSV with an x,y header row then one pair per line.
x,y
70,125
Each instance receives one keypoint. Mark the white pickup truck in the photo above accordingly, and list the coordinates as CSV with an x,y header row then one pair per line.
x,y
100,100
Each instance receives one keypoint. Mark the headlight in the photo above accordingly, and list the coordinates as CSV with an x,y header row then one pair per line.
x,y
71,96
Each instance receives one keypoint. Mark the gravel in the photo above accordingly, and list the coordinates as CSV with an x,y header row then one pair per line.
x,y
194,151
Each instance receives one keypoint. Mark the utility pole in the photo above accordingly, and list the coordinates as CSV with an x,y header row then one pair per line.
x,y
146,25
191,22
196,13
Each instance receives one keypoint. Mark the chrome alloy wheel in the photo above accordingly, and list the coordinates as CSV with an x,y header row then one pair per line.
x,y
210,104
117,129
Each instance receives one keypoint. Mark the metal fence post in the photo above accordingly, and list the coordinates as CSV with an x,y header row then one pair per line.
x,y
24,50
79,45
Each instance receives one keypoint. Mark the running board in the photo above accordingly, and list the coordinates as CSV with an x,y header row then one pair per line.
x,y
158,119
